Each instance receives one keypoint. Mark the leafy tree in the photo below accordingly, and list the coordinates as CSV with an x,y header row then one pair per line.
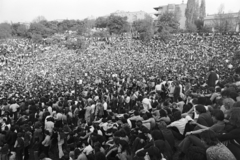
x,y
89,23
117,24
224,22
165,36
40,29
22,30
51,25
199,24
206,29
177,13
191,13
39,19
167,22
101,22
64,26
202,12
144,28
5,30
36,37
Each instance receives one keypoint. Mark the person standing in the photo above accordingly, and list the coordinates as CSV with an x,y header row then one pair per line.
x,y
211,78
46,143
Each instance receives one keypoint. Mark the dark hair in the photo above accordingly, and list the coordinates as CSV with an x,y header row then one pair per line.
x,y
200,108
47,132
218,114
195,101
218,89
196,153
177,116
235,116
163,113
157,135
235,105
136,113
100,156
209,137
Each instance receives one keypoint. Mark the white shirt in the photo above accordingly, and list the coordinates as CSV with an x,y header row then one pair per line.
x,y
14,107
180,124
158,87
105,106
93,108
50,110
59,116
49,125
146,104
127,100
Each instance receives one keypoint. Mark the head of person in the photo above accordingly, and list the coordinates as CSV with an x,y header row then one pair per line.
x,y
200,109
209,138
235,116
228,103
163,113
217,115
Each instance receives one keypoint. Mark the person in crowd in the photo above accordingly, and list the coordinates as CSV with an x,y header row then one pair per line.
x,y
122,102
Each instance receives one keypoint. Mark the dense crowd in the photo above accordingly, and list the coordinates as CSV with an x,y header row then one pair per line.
x,y
121,99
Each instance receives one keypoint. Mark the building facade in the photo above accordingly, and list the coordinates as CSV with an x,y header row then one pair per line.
x,y
223,22
172,8
131,16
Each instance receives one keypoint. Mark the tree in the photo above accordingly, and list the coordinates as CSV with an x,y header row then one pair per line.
x,y
117,24
40,29
167,22
191,13
39,19
199,24
89,23
101,22
202,12
144,27
5,30
22,30
51,25
177,13
224,22
36,37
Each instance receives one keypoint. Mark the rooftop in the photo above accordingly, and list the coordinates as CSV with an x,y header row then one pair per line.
x,y
215,16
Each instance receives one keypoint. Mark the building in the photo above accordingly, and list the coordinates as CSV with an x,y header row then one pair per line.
x,y
172,8
229,20
131,16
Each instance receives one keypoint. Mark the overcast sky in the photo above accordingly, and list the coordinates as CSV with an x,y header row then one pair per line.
x,y
27,10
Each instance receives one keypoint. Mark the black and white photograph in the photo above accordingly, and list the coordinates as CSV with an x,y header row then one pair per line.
x,y
119,79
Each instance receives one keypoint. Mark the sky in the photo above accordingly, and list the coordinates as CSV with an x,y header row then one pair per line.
x,y
28,10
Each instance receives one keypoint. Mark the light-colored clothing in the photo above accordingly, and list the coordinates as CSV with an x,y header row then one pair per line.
x,y
14,107
219,152
146,104
46,141
49,125
180,124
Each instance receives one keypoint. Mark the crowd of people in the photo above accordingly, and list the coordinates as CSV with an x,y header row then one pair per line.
x,y
121,99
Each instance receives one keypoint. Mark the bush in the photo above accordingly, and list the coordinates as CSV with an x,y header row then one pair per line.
x,y
191,27
5,30
36,37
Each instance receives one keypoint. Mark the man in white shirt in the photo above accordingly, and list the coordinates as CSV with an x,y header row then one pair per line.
x,y
180,124
14,108
146,104
49,125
